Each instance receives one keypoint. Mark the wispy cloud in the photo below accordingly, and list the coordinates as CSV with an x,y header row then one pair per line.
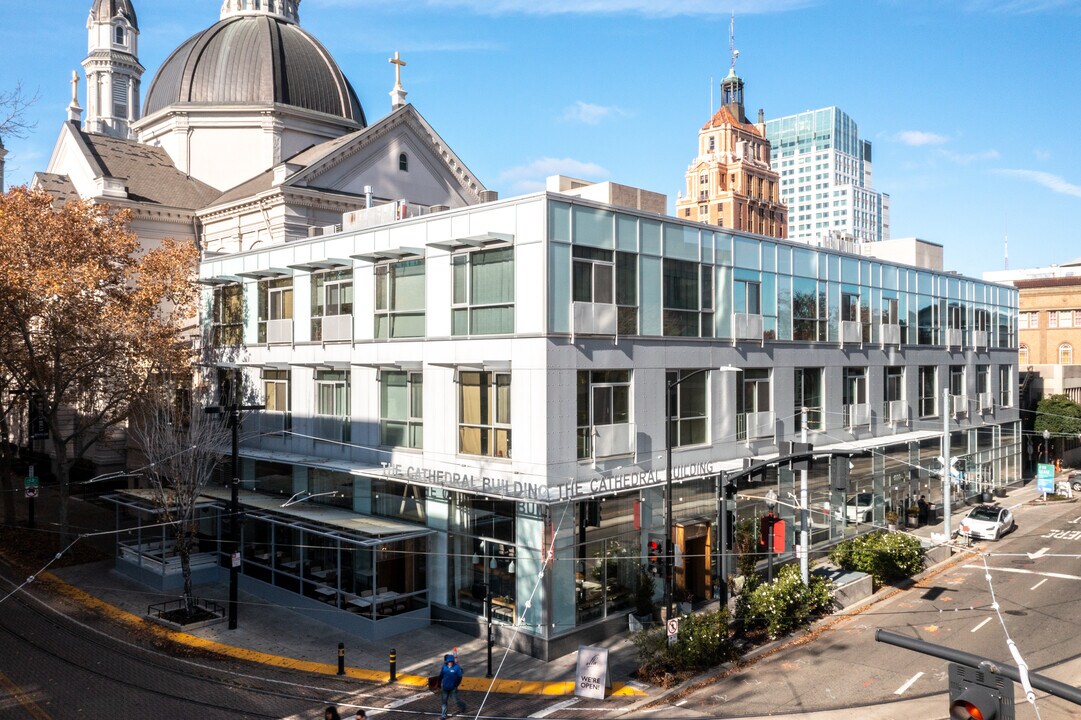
x,y
969,158
590,114
652,8
1054,183
1020,7
919,138
530,177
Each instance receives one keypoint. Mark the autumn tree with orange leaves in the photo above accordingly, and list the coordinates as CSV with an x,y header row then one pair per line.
x,y
88,317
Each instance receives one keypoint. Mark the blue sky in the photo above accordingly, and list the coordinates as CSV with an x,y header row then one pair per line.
x,y
972,105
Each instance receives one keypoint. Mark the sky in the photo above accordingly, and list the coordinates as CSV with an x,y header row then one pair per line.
x,y
972,105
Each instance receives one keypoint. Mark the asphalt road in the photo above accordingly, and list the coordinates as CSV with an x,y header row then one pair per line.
x,y
1035,577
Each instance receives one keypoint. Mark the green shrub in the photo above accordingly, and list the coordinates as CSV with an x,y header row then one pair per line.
x,y
885,556
787,604
703,641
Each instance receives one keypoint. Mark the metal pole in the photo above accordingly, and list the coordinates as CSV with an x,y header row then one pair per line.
x,y
947,486
341,661
488,614
804,514
668,500
769,550
1056,688
234,511
393,665
723,541
30,505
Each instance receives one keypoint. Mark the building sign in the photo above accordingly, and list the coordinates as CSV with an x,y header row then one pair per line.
x,y
591,678
1045,478
515,488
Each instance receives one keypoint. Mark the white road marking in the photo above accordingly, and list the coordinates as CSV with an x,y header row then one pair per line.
x,y
1038,553
554,708
393,704
907,685
1022,571
1038,584
985,621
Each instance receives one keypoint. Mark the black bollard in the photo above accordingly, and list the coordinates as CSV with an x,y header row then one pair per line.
x,y
393,665
341,658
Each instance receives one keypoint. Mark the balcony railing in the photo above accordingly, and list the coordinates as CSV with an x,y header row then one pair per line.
x,y
750,426
896,412
986,402
594,318
851,332
279,331
856,415
960,405
979,339
891,334
610,440
954,337
337,327
746,326
334,429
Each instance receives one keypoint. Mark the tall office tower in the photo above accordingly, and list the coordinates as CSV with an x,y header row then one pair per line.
x,y
825,179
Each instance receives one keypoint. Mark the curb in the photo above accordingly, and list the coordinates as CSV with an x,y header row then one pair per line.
x,y
508,687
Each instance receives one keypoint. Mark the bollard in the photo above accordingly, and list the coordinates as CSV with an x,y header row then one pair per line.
x,y
393,665
341,658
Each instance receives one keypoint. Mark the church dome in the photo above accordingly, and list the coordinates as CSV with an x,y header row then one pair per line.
x,y
252,58
105,10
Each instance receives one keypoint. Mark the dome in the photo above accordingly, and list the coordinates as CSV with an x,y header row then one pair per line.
x,y
105,10
254,59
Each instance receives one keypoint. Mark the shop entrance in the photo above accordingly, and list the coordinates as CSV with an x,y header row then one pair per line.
x,y
694,540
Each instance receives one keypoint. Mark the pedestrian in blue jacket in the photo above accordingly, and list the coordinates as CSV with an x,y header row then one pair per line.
x,y
450,677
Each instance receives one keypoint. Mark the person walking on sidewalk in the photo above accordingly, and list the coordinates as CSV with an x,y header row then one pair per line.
x,y
923,511
331,713
450,677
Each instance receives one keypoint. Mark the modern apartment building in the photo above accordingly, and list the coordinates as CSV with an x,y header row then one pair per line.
x,y
825,179
479,398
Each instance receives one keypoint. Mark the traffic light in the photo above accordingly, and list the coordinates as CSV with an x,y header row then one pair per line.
x,y
654,555
979,694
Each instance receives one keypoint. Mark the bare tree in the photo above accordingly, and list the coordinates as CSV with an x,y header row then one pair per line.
x,y
182,446
13,105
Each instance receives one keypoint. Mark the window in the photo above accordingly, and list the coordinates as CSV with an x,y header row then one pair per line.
x,y
983,379
120,98
957,381
1005,385
332,305
118,35
753,405
403,162
228,323
689,401
808,394
276,310
399,299
603,398
1022,355
688,299
893,390
1028,320
928,391
592,275
332,405
401,409
1065,354
483,292
484,414
854,396
627,293
277,401
808,310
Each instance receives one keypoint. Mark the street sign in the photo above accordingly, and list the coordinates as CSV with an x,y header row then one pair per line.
x,y
31,482
673,630
236,559
591,677
1045,478
31,492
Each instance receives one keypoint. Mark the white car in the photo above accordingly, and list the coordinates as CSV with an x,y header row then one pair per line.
x,y
987,522
860,507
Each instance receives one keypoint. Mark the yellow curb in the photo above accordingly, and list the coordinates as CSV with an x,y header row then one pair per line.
x,y
509,687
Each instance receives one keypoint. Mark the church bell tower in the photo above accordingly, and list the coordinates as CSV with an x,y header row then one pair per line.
x,y
113,72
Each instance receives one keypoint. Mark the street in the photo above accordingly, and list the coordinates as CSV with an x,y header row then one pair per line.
x,y
1034,578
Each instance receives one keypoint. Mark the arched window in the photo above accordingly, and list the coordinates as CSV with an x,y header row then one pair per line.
x,y
1065,354
118,35
1022,356
403,162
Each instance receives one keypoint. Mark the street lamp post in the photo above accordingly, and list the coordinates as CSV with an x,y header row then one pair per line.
x,y
233,411
1046,438
771,503
668,549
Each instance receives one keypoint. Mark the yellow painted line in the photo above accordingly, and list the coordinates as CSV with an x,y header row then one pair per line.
x,y
510,687
23,699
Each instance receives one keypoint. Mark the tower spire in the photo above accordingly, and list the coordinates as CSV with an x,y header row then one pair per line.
x,y
113,72
397,95
732,41
75,113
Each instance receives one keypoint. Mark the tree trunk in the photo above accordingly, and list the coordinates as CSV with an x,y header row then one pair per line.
x,y
62,469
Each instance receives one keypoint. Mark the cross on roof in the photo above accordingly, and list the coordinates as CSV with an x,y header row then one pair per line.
x,y
399,64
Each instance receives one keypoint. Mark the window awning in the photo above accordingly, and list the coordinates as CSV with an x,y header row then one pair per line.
x,y
473,241
398,366
220,280
264,273
390,254
317,265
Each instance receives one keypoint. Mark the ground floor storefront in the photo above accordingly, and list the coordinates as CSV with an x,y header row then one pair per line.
x,y
379,554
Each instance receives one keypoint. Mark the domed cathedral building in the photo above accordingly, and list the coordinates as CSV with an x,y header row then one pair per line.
x,y
250,134
731,182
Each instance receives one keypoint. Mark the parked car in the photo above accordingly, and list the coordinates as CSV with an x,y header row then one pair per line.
x,y
860,508
1075,481
987,522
